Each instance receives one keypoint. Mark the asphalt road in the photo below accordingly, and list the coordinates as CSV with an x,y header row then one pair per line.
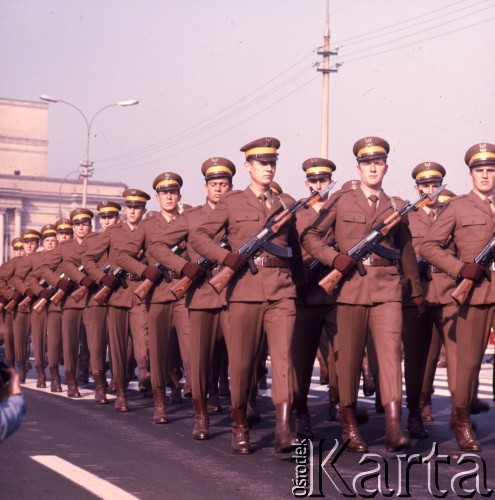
x,y
73,449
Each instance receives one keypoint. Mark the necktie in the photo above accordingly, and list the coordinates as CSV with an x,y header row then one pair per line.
x,y
432,215
263,200
489,202
374,200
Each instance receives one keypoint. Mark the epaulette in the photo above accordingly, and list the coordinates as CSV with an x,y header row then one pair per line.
x,y
193,209
230,193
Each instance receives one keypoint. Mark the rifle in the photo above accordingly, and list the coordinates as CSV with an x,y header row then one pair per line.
x,y
484,258
23,305
40,304
59,294
79,293
262,239
182,286
3,303
101,296
143,289
11,304
315,267
424,268
370,243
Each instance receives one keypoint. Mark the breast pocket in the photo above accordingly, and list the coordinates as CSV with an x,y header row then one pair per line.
x,y
474,227
247,216
357,217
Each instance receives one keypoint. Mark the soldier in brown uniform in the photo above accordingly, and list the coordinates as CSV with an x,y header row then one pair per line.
x,y
372,300
126,313
440,308
21,320
39,321
261,302
52,311
5,297
316,310
74,313
207,309
468,222
160,301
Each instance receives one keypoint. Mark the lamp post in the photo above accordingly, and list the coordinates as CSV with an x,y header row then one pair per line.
x,y
87,164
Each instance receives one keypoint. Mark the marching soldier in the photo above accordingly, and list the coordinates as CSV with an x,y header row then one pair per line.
x,y
126,313
21,319
39,321
74,313
316,310
259,302
160,301
468,222
52,311
372,300
207,310
440,308
6,271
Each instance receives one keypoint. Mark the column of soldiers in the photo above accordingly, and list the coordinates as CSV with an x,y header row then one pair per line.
x,y
124,293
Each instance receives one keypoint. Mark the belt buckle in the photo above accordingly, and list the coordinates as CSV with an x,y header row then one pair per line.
x,y
492,266
367,261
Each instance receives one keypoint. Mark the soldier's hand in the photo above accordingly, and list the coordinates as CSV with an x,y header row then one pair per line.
x,y
344,263
29,293
152,273
110,280
420,304
87,282
45,294
64,285
471,271
235,261
193,271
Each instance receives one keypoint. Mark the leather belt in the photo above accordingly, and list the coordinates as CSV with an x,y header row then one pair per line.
x,y
374,261
132,277
268,261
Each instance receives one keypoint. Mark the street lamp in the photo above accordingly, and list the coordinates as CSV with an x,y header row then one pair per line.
x,y
87,164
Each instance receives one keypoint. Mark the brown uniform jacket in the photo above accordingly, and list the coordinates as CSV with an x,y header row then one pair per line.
x,y
65,257
348,215
200,295
313,294
101,249
127,255
240,215
6,272
22,267
438,289
34,277
469,222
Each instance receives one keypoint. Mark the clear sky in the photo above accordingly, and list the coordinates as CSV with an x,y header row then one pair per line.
x,y
213,75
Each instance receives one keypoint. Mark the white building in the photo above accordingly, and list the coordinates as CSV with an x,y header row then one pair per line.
x,y
28,198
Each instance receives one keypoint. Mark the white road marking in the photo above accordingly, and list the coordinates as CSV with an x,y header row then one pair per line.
x,y
99,487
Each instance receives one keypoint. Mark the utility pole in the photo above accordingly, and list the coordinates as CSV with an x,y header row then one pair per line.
x,y
326,69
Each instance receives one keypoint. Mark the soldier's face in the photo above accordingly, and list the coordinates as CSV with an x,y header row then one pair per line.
x,y
30,247
49,243
81,229
64,236
483,179
428,188
216,188
108,220
319,184
261,172
169,200
134,215
18,252
372,173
